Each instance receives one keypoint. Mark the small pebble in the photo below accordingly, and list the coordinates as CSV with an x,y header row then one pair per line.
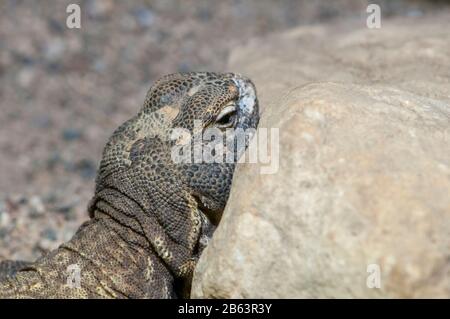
x,y
99,8
56,26
41,121
144,17
54,50
37,208
53,160
71,134
4,219
204,14
86,168
50,234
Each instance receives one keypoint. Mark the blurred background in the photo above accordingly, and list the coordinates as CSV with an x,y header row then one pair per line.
x,y
63,91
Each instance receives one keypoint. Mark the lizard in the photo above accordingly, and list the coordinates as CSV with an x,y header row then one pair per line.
x,y
152,214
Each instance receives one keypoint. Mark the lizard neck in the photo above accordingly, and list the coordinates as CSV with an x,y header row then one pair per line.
x,y
161,229
98,262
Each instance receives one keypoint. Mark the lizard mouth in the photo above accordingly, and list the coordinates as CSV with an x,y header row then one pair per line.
x,y
248,104
247,117
247,94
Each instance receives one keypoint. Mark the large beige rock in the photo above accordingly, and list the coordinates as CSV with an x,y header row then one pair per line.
x,y
364,168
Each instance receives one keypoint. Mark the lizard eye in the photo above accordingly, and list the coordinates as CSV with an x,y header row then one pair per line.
x,y
227,117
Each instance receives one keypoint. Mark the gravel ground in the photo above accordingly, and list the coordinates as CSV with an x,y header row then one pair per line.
x,y
63,91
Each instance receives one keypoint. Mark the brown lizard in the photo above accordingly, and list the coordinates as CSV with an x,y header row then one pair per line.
x,y
152,213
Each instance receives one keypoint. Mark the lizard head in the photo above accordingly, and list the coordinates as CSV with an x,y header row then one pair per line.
x,y
210,133
178,154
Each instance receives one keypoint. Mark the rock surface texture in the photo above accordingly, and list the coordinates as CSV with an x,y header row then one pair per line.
x,y
364,168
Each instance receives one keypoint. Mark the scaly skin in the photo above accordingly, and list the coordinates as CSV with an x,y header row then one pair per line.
x,y
150,216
